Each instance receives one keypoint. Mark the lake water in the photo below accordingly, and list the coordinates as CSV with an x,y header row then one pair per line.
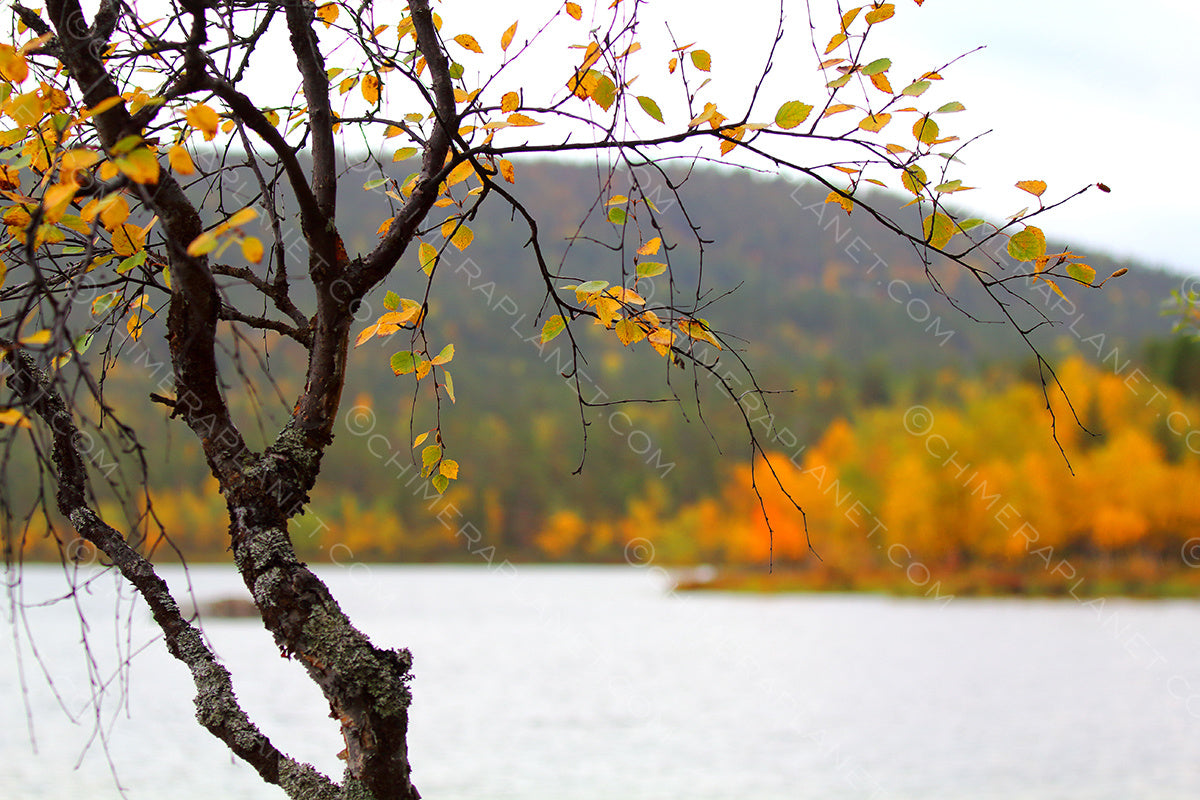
x,y
579,683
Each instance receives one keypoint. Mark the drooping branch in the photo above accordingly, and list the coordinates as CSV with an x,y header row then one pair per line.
x,y
217,707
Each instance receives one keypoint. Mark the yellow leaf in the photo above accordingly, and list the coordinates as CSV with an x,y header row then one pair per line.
x,y
114,210
506,170
103,105
875,122
846,203
202,244
204,119
140,165
710,110
837,39
661,340
696,329
736,134
26,109
509,102
626,296
880,13
881,82
650,247
73,161
370,89
252,249
460,173
574,10
180,160
328,13
469,42
449,468
128,239
521,120
242,217
12,64
36,339
13,417
629,332
836,109
347,84
926,130
507,37
56,200
427,257
443,357
367,333
1035,188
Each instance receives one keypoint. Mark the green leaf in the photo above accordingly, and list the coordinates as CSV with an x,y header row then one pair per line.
x,y
650,107
431,454
440,482
591,287
916,89
877,66
792,113
648,269
456,70
374,183
702,60
84,342
839,82
445,356
617,215
1027,245
938,229
404,153
403,362
913,179
968,224
1082,273
135,260
553,327
951,107
926,130
427,257
948,186
449,386
391,300
605,93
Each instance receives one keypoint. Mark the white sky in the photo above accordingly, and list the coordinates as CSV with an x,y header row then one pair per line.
x,y
1074,92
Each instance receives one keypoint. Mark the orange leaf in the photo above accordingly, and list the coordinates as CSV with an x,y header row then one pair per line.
x,y
469,42
1035,188
370,89
204,119
328,13
507,37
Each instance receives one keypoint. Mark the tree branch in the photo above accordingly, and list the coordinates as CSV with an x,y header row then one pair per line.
x,y
217,707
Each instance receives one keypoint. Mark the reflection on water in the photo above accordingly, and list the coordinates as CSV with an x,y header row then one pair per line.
x,y
581,682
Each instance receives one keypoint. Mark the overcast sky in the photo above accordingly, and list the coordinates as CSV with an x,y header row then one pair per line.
x,y
1074,92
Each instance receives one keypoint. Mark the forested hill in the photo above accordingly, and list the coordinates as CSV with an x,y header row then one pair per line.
x,y
812,284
